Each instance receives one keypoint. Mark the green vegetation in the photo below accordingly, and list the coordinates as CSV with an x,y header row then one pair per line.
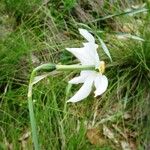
x,y
36,32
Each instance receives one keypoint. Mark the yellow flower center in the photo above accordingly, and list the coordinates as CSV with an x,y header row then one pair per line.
x,y
102,67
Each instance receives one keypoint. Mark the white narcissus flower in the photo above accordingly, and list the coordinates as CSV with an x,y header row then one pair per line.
x,y
88,55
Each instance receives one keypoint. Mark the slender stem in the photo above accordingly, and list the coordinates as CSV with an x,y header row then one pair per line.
x,y
31,113
74,67
45,67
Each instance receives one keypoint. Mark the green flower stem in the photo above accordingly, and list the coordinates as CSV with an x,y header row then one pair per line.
x,y
31,112
46,68
74,67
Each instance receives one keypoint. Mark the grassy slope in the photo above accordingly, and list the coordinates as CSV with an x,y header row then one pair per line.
x,y
43,31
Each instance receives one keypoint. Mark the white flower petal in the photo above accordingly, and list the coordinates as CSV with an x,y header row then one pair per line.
x,y
89,37
101,83
82,54
91,49
77,80
82,77
79,53
87,55
88,73
84,91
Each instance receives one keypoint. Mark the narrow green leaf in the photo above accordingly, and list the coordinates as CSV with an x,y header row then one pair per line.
x,y
104,47
39,78
130,36
129,12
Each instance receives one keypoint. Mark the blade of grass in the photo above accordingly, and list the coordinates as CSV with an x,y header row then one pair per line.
x,y
104,47
131,12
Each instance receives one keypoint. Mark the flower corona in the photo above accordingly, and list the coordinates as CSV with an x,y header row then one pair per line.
x,y
102,67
